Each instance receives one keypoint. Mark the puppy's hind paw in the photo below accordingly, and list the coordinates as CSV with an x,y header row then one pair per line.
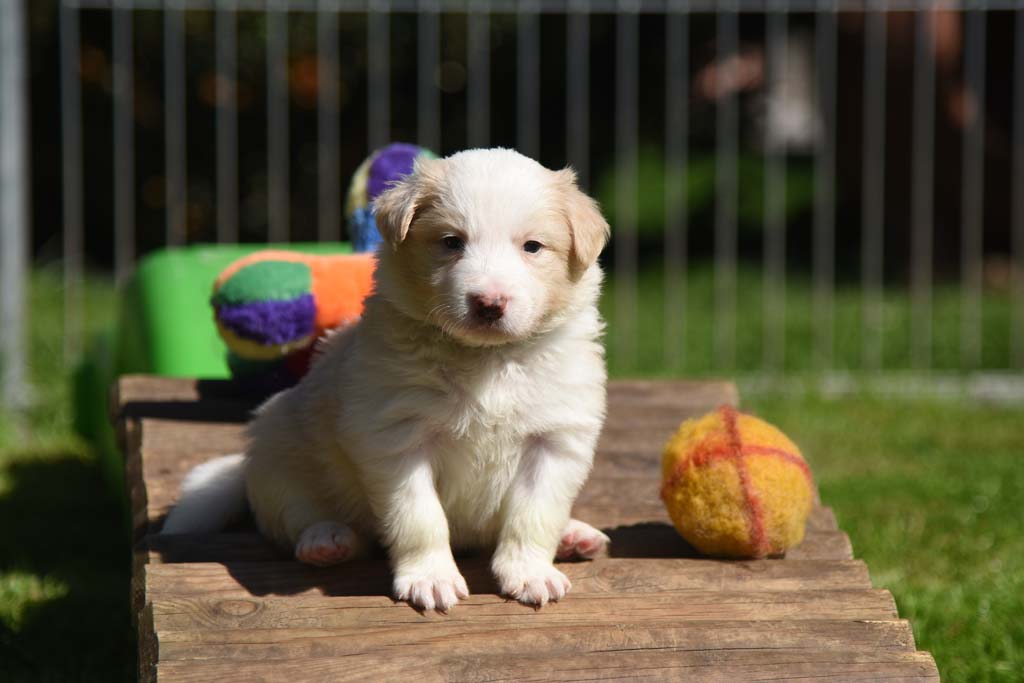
x,y
580,540
427,585
532,582
325,544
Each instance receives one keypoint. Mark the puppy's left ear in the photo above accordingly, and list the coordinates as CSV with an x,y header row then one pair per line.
x,y
589,229
395,209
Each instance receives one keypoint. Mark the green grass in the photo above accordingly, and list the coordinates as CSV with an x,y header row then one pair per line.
x,y
697,353
64,554
931,493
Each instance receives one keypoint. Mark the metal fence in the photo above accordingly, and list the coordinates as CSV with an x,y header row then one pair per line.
x,y
798,49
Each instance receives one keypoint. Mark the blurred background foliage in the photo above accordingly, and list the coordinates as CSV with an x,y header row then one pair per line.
x,y
451,80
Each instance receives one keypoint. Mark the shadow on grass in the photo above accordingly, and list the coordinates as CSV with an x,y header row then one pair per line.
x,y
60,528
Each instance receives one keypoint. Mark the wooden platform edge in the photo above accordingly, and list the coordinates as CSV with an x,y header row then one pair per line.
x,y
735,666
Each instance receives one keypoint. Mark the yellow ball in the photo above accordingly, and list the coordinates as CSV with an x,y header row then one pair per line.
x,y
735,486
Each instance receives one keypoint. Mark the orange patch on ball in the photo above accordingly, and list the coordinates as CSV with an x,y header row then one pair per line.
x,y
735,486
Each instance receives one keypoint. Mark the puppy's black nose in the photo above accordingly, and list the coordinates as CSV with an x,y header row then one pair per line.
x,y
487,307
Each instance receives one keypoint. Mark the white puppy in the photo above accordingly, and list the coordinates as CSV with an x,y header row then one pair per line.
x,y
463,409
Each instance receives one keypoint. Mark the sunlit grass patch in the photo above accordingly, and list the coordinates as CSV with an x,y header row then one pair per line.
x,y
931,495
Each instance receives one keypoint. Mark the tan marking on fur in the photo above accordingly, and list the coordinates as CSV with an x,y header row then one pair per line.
x,y
589,229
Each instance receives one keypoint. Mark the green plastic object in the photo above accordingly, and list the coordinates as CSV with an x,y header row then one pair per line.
x,y
165,327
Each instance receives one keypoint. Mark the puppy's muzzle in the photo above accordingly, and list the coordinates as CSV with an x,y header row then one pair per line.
x,y
487,308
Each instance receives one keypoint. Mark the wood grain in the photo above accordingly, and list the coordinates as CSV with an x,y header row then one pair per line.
x,y
647,577
192,612
436,639
725,667
695,666
638,541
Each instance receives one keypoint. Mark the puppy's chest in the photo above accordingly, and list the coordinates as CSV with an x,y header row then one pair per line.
x,y
497,403
480,447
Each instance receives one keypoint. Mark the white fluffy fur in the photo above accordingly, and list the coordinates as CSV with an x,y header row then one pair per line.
x,y
215,491
425,428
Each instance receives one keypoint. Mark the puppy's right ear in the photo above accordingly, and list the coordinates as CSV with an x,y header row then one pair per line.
x,y
396,208
589,229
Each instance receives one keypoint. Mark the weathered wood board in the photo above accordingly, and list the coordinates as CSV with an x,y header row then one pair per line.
x,y
230,606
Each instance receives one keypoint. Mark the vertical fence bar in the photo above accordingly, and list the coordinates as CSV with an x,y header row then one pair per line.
x,y
378,66
1017,290
873,185
726,145
227,121
922,206
973,184
278,177
528,78
428,110
677,128
478,86
774,302
328,133
175,158
71,133
14,197
124,140
626,74
577,91
825,23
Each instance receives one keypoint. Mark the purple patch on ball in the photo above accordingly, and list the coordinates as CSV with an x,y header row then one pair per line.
x,y
271,322
391,164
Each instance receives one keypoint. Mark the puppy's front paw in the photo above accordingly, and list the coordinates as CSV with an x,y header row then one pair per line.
x,y
432,583
581,540
531,582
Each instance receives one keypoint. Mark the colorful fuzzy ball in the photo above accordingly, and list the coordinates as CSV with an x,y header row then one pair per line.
x,y
735,486
271,306
377,173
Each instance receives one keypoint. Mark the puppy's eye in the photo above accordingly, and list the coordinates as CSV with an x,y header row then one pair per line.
x,y
532,247
453,243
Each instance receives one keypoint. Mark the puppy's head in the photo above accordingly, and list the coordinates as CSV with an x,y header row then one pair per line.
x,y
488,245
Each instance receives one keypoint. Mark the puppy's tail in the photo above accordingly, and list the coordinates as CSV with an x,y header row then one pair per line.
x,y
212,495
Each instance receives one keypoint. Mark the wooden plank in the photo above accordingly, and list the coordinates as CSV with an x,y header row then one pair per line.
x,y
750,665
719,666
649,577
191,612
151,388
243,546
639,541
436,639
137,396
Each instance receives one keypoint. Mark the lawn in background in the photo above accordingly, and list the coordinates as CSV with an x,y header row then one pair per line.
x,y
930,492
931,495
64,552
696,353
